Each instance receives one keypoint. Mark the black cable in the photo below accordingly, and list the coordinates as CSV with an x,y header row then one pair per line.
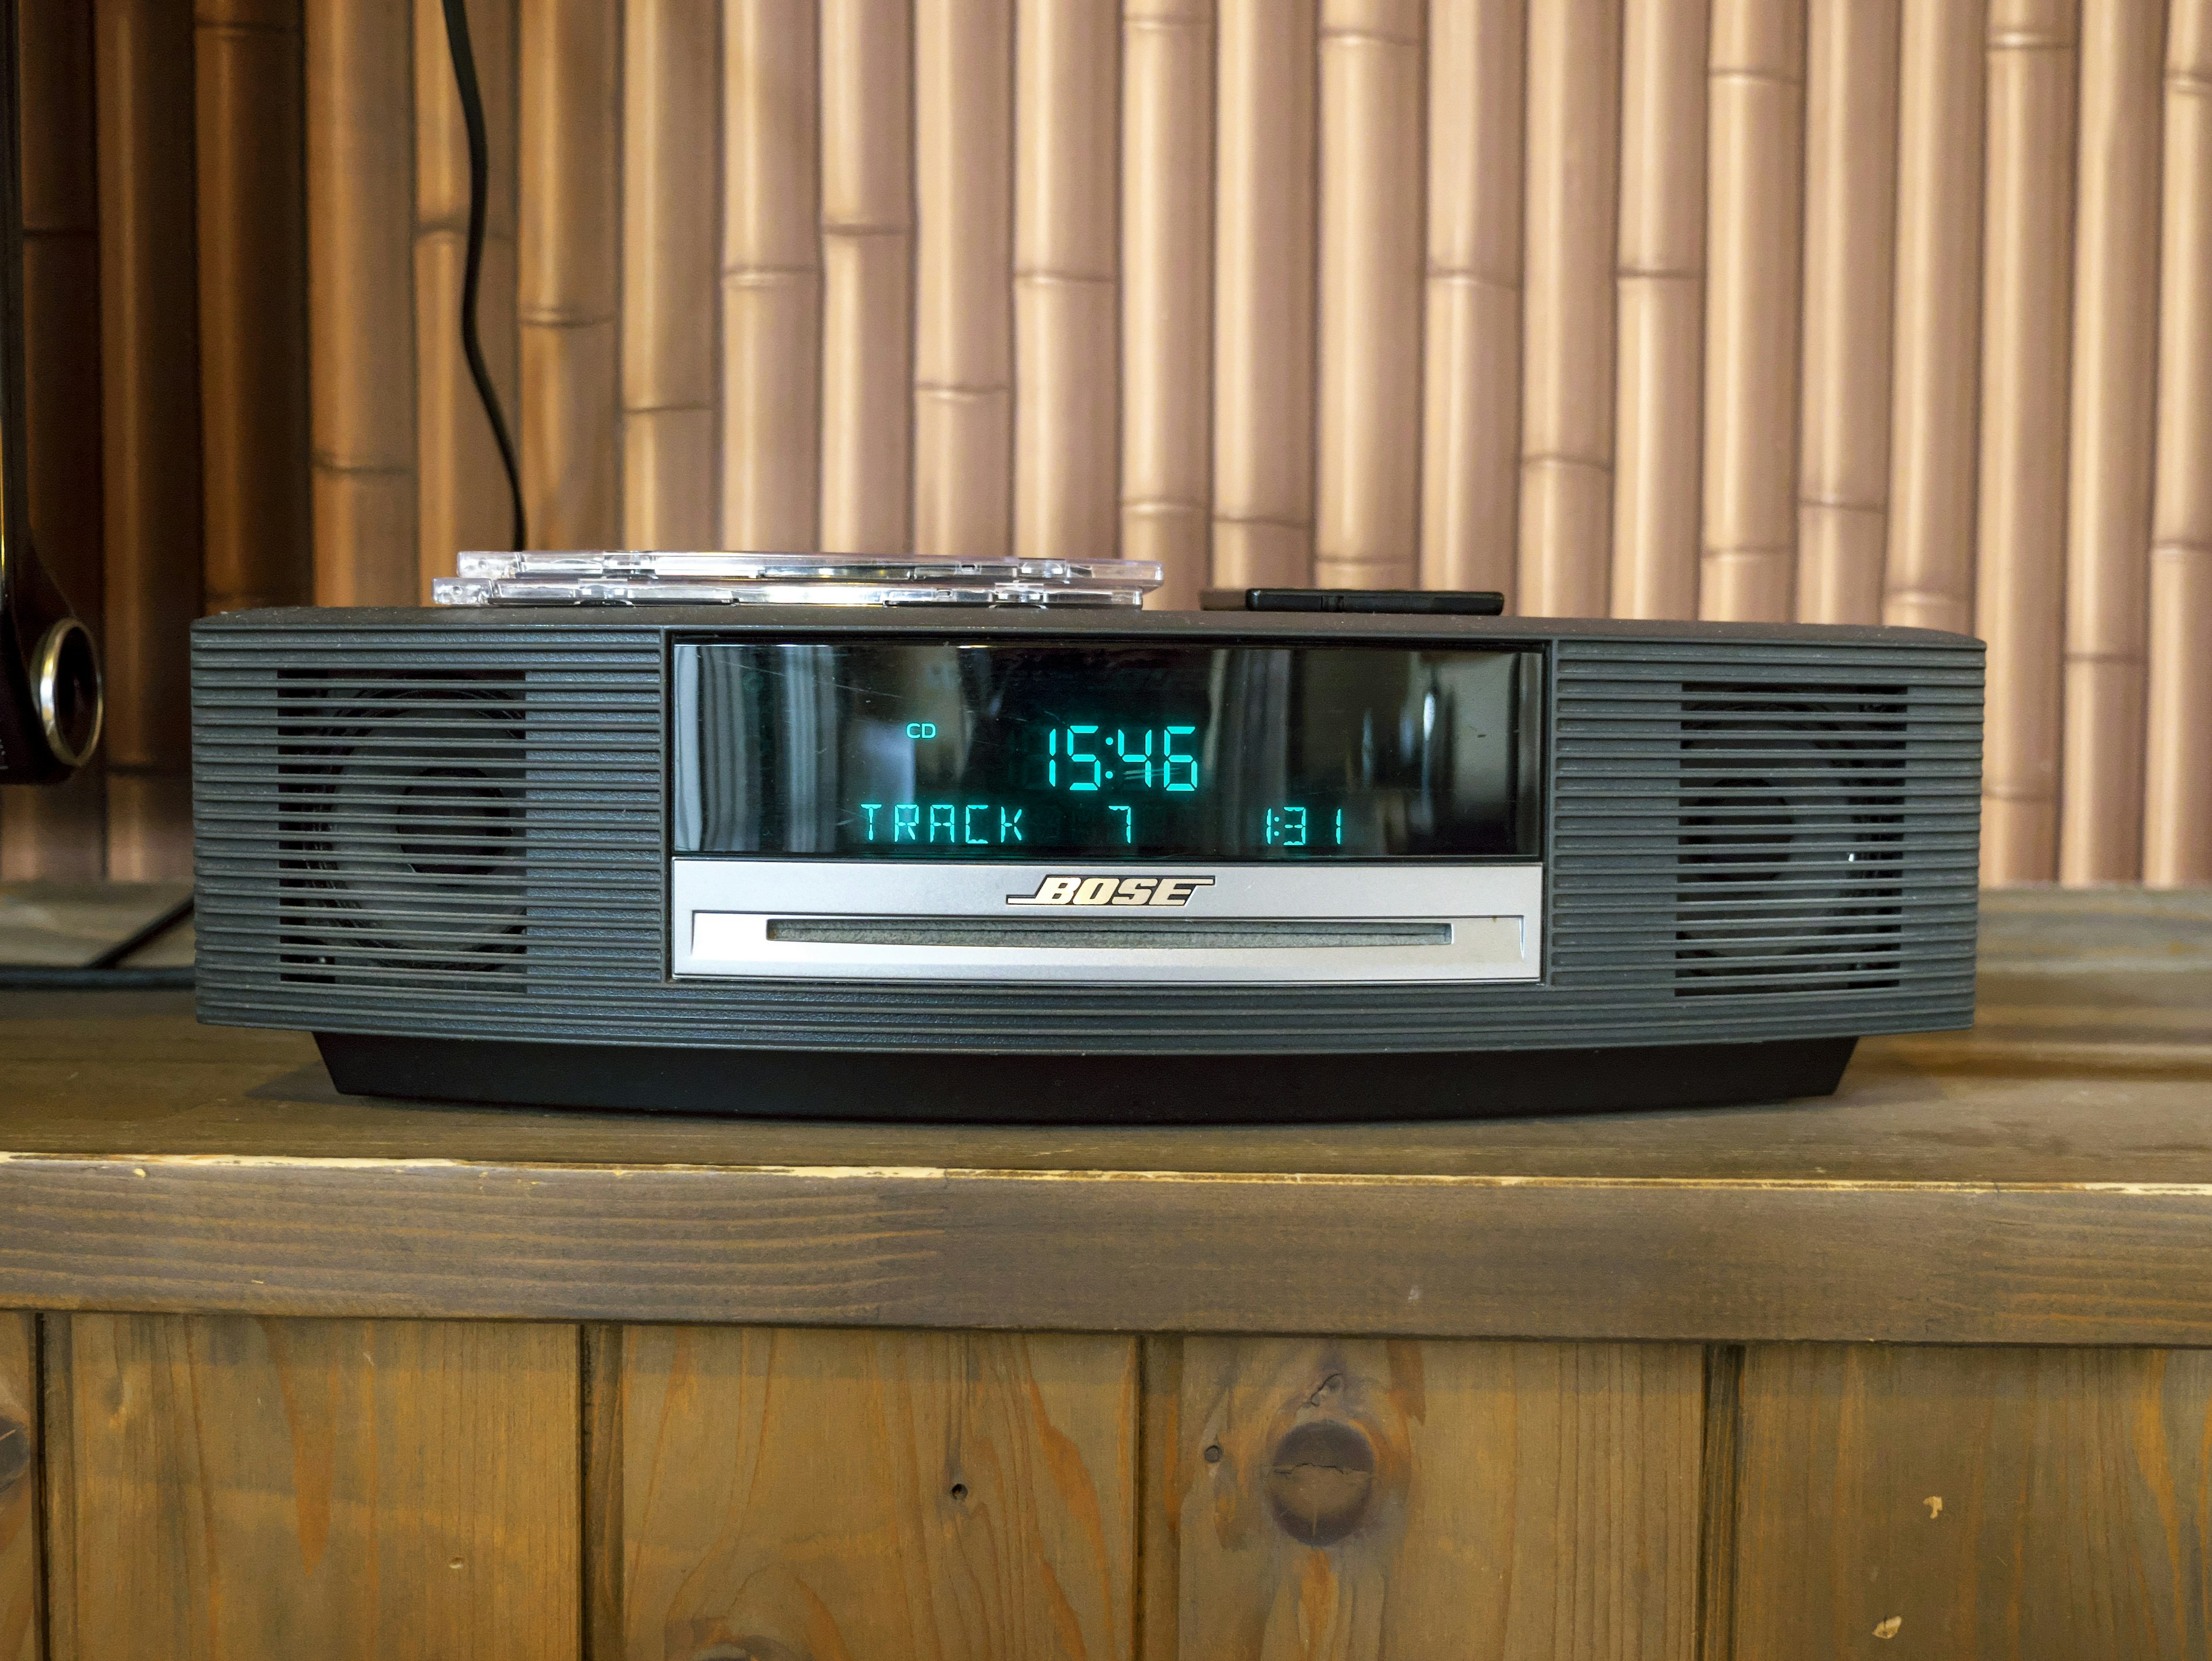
x,y
131,945
465,79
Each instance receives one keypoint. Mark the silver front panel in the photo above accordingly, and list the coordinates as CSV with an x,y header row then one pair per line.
x,y
1167,924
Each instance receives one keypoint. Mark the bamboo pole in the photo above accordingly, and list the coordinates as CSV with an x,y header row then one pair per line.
x,y
963,335
2178,793
1850,217
461,497
1662,299
867,273
1756,142
253,293
1263,293
361,299
1066,455
1568,304
771,275
1167,223
2021,550
1471,385
566,309
149,402
1368,401
59,832
1934,375
2112,442
671,101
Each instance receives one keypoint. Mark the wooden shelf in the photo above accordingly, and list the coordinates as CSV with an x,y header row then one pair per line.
x,y
2045,1178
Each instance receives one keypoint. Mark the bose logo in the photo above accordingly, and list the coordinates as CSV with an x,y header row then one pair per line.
x,y
1112,891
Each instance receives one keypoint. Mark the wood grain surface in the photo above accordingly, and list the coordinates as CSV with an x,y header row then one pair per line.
x,y
1066,286
964,368
1935,373
1995,1503
867,274
570,232
1754,208
1572,162
1471,333
2111,443
1264,172
1661,296
361,299
21,1578
818,1495
1159,1516
1368,397
150,426
357,1490
1763,1261
2177,749
1851,218
1167,289
1338,1498
771,276
2027,243
671,96
251,154
361,306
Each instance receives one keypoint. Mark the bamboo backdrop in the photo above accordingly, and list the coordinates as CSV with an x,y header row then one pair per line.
x,y
1839,310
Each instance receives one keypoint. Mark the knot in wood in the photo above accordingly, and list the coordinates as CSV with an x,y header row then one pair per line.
x,y
1320,1481
14,1454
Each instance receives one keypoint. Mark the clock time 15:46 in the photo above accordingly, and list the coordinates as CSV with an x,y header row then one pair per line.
x,y
1089,755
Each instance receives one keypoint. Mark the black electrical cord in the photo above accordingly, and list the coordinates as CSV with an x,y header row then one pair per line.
x,y
465,79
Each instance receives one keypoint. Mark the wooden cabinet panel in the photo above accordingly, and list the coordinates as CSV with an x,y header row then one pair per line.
x,y
1365,1499
2017,1503
244,1489
791,1495
19,1488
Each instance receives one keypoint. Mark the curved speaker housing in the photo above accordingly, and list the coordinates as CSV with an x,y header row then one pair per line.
x,y
423,830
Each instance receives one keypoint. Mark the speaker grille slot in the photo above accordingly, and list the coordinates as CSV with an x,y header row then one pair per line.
x,y
401,806
1790,862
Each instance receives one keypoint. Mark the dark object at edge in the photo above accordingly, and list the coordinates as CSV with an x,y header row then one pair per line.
x,y
1414,602
50,686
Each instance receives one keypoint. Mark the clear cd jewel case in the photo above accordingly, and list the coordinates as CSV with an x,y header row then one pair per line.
x,y
733,579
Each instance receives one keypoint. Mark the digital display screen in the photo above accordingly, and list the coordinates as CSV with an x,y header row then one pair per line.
x,y
975,751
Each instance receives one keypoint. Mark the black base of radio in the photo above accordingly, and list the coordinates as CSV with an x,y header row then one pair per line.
x,y
1093,1089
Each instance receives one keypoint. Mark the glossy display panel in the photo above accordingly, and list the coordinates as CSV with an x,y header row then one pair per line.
x,y
969,750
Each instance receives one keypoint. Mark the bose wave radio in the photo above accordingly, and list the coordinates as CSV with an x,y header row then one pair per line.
x,y
1035,863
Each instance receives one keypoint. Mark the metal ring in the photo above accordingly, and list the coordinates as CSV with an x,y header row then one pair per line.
x,y
46,685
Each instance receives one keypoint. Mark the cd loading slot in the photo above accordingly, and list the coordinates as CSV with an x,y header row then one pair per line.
x,y
1230,934
1288,950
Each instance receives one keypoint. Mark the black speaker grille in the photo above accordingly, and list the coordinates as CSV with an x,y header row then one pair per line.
x,y
402,800
1794,837
1792,860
